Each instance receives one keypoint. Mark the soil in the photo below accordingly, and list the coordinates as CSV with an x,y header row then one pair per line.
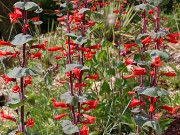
x,y
174,128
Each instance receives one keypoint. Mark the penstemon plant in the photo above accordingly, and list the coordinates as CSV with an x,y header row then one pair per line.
x,y
20,76
146,65
74,16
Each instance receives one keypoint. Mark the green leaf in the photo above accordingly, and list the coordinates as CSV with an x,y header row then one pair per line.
x,y
140,120
155,125
18,72
19,104
72,35
81,40
139,37
14,98
154,92
68,127
68,99
158,2
162,54
70,67
21,39
37,23
159,34
143,7
26,5
105,88
84,10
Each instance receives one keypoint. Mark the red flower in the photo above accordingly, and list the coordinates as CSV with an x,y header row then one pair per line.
x,y
15,54
116,11
40,46
83,49
90,119
128,61
77,72
17,132
158,116
94,77
136,71
84,130
59,116
169,74
15,15
129,45
170,109
5,116
4,43
52,49
28,80
156,62
6,79
151,108
146,40
59,104
131,92
95,46
35,55
88,55
35,19
29,122
135,102
150,11
16,89
90,104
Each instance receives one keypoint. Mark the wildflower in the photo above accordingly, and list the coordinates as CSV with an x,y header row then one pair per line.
x,y
95,46
59,104
14,54
136,71
6,79
169,74
15,15
59,116
5,116
84,130
52,49
88,55
28,80
158,116
90,104
40,46
135,102
146,40
156,62
90,119
170,109
35,55
29,122
4,43
35,19
116,11
126,46
77,72
16,89
151,108
131,92
94,77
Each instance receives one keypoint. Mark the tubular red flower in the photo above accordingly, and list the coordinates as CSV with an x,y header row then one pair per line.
x,y
170,109
146,40
5,43
89,118
40,46
126,46
158,116
90,104
5,116
151,108
169,74
28,80
16,89
6,79
95,46
35,55
94,77
29,122
52,49
135,102
84,130
59,116
156,62
59,104
77,72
